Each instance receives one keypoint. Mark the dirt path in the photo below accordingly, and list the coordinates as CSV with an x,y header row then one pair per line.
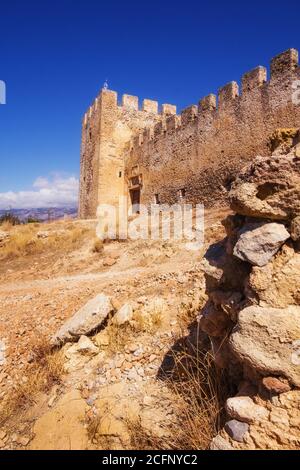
x,y
75,279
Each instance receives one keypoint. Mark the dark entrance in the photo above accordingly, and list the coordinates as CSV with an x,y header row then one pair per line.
x,y
135,196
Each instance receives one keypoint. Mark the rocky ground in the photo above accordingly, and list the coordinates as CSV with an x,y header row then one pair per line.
x,y
110,376
147,344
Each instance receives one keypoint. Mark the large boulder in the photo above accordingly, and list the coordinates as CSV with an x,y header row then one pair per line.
x,y
258,242
265,339
268,188
85,321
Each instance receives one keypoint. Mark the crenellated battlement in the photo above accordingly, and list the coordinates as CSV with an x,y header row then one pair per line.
x,y
129,104
199,149
230,97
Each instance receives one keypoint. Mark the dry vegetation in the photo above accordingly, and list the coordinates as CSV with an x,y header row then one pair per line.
x,y
46,370
26,240
201,392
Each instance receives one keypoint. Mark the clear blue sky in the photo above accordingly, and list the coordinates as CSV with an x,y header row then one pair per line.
x,y
56,54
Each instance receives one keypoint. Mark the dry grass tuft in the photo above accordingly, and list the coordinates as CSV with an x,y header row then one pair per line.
x,y
92,425
46,370
119,336
200,392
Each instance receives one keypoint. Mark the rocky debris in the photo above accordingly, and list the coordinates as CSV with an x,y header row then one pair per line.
x,y
236,430
252,315
123,315
109,261
222,271
86,346
85,321
275,386
258,242
102,339
264,339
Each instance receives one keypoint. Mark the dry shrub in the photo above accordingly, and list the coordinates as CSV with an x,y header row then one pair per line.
x,y
148,322
20,243
98,246
45,371
118,336
199,391
201,387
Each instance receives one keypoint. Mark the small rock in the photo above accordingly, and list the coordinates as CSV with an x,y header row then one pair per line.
x,y
132,347
109,261
42,234
3,236
86,346
133,375
236,429
275,386
141,371
102,339
244,409
124,315
219,443
258,242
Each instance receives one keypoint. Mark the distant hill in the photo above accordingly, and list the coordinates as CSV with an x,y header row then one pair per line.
x,y
43,214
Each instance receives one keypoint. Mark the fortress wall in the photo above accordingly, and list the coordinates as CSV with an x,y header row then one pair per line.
x,y
107,128
201,151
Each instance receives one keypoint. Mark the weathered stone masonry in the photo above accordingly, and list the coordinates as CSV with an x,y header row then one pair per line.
x,y
194,156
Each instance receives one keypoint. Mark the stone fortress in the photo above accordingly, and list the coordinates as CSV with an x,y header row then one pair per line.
x,y
154,156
